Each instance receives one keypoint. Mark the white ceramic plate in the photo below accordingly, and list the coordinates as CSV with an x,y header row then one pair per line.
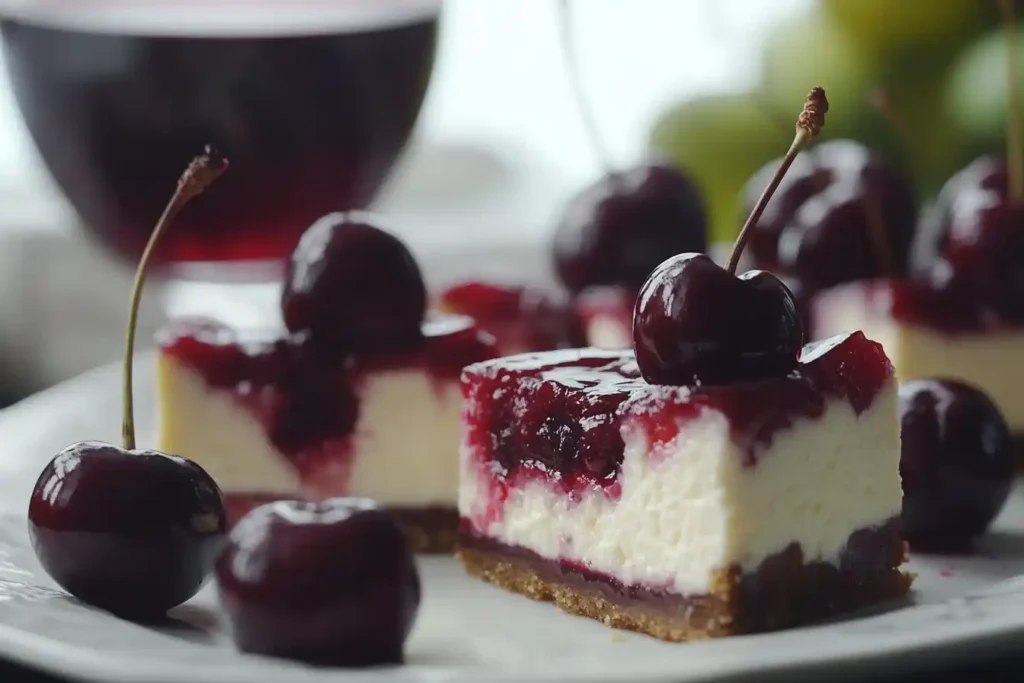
x,y
467,631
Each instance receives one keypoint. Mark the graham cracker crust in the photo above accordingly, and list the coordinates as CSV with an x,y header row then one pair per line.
x,y
781,593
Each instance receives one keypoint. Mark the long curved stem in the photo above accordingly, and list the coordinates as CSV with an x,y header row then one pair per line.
x,y
808,125
583,105
197,177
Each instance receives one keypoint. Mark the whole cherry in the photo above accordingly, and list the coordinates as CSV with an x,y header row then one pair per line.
x,y
697,323
329,583
131,531
615,231
845,214
353,286
957,462
971,240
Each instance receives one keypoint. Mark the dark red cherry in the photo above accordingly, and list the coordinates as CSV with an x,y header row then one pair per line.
x,y
353,286
957,462
616,231
695,323
132,532
330,583
974,236
842,213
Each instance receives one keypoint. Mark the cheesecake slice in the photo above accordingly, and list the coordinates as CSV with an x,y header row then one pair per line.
x,y
685,512
933,334
270,416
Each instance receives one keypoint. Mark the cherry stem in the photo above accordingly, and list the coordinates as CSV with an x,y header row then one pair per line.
x,y
808,125
1014,156
203,170
583,105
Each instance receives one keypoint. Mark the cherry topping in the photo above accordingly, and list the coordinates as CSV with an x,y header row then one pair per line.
x,y
353,286
843,214
521,319
332,583
697,323
619,229
134,532
957,462
971,241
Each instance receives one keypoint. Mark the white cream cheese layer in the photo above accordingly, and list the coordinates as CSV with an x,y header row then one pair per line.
x,y
692,507
404,451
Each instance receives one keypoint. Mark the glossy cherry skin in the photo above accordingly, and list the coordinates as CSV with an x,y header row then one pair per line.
x,y
957,462
820,225
132,532
331,583
695,323
353,286
974,236
616,231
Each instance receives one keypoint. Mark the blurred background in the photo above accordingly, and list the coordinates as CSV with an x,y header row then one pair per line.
x,y
103,102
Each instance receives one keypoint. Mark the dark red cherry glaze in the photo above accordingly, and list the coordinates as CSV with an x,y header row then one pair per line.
x,y
521,319
132,532
818,226
558,416
957,462
354,287
616,231
307,398
331,583
973,240
695,323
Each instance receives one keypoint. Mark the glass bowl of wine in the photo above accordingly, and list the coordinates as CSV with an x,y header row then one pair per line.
x,y
312,101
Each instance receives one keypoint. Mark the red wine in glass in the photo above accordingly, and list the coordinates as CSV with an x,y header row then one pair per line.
x,y
311,100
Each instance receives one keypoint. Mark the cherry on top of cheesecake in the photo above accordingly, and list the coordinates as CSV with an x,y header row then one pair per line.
x,y
329,583
696,323
972,240
617,230
957,462
562,412
354,287
843,213
128,530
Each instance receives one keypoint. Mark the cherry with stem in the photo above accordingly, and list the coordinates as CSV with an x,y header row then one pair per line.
x,y
133,531
808,126
199,175
696,323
